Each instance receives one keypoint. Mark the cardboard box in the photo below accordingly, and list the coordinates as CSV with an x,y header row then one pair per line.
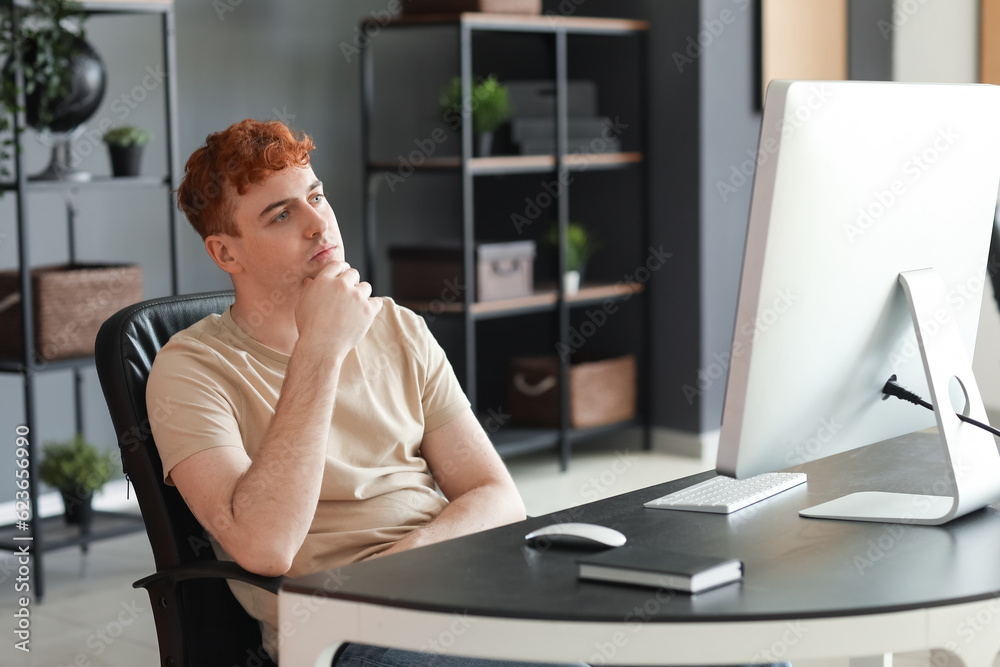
x,y
537,99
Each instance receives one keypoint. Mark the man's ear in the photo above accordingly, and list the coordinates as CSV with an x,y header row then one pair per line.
x,y
220,247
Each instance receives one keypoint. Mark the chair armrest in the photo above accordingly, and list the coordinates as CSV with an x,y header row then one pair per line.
x,y
211,570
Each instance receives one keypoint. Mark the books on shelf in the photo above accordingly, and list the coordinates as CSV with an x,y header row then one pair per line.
x,y
581,145
640,566
537,136
522,129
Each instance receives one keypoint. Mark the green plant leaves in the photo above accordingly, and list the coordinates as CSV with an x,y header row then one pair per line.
x,y
581,244
76,465
489,103
127,135
42,35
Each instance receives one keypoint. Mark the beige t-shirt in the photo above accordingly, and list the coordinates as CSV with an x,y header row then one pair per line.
x,y
221,386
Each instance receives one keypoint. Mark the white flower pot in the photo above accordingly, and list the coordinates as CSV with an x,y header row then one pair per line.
x,y
571,282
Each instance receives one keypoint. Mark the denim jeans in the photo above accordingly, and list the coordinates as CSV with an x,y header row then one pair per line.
x,y
361,655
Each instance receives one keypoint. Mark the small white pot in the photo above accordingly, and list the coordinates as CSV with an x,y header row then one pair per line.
x,y
571,282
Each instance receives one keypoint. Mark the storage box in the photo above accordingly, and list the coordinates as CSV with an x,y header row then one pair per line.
x,y
537,136
600,392
70,303
537,99
458,6
529,128
434,272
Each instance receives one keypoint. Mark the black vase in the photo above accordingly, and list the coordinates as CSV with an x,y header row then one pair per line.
x,y
84,90
125,160
79,508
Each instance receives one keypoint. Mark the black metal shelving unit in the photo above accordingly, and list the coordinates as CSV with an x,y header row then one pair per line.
x,y
50,533
514,441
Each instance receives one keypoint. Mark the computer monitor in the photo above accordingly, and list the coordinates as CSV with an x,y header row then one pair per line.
x,y
870,200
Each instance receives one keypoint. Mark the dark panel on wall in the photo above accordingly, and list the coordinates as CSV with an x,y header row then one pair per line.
x,y
730,125
869,40
673,158
675,211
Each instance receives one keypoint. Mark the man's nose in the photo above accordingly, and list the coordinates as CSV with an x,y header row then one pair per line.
x,y
316,224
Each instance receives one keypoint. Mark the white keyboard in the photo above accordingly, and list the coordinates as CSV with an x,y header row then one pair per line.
x,y
725,495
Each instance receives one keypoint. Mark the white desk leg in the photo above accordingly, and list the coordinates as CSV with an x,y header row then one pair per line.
x,y
308,651
884,660
305,630
965,635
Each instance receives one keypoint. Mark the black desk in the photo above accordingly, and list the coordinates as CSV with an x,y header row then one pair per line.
x,y
812,588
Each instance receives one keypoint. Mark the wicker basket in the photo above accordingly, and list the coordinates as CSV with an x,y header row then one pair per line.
x,y
458,6
70,303
600,392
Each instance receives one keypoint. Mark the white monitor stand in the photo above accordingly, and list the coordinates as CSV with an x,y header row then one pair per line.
x,y
973,461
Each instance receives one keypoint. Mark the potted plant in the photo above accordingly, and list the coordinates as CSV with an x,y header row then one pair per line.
x,y
63,77
77,469
490,109
125,144
581,244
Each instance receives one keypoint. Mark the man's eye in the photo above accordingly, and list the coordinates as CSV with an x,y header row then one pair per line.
x,y
318,198
281,217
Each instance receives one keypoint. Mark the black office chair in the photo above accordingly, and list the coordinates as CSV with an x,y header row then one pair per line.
x,y
198,620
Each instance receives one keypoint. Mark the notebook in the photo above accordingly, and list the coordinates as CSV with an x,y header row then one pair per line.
x,y
644,566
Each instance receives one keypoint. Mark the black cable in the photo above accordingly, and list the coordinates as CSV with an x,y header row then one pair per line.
x,y
891,388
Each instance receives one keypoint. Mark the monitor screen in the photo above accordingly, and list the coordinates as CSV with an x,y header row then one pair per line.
x,y
856,183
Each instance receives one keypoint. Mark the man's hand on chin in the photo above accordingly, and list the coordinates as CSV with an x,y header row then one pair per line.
x,y
335,309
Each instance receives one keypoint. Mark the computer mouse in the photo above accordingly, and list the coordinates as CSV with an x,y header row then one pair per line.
x,y
576,535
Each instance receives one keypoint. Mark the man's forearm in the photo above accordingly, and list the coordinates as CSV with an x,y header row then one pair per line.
x,y
278,493
478,509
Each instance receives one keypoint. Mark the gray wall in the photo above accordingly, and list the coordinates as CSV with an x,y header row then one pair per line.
x,y
870,48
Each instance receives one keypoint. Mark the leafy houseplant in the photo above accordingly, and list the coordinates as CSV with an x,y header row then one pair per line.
x,y
77,469
125,144
42,48
126,135
581,244
490,108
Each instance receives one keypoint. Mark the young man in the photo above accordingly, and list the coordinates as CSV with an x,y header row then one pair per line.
x,y
311,422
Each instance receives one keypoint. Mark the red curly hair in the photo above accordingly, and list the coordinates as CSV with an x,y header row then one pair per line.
x,y
230,161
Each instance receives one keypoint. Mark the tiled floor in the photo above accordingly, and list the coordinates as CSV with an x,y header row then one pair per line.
x,y
92,617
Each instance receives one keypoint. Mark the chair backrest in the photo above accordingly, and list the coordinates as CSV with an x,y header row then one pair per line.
x,y
199,622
